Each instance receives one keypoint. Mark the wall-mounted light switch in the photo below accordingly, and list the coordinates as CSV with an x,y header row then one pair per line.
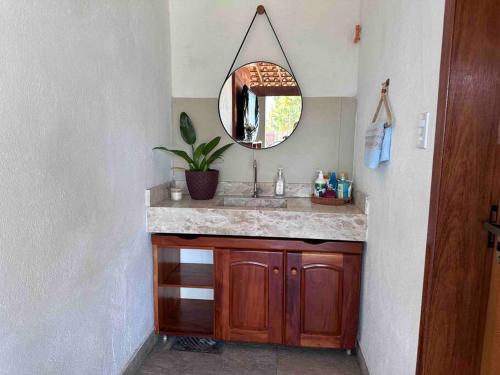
x,y
423,129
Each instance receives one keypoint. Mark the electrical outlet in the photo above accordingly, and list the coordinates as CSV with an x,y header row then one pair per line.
x,y
423,130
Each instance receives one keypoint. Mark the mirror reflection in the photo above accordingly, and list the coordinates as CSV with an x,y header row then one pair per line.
x,y
260,105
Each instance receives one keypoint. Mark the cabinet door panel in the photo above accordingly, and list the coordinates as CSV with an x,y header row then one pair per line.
x,y
322,299
249,295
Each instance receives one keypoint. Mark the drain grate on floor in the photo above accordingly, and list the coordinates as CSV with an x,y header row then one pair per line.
x,y
197,344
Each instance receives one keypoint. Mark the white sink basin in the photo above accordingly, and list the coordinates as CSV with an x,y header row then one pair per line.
x,y
263,202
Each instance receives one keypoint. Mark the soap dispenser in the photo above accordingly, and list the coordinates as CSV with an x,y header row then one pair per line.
x,y
279,184
319,185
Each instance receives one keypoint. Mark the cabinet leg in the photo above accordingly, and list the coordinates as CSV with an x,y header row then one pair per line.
x,y
348,352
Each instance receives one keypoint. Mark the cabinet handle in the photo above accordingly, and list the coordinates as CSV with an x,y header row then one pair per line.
x,y
293,271
276,270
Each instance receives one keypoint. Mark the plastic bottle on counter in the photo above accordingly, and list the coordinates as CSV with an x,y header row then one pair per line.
x,y
344,187
319,185
279,184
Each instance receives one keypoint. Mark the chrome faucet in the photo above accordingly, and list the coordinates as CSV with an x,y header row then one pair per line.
x,y
255,189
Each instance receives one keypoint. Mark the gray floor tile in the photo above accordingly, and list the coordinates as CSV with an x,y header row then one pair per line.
x,y
307,361
249,359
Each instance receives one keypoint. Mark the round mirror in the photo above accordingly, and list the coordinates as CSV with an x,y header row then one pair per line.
x,y
260,105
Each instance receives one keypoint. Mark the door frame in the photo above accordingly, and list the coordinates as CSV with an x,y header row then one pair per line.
x,y
451,332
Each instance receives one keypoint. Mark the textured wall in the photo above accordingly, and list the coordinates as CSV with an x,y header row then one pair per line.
x,y
401,40
84,95
316,35
324,140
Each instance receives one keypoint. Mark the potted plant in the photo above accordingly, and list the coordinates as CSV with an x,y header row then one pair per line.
x,y
201,180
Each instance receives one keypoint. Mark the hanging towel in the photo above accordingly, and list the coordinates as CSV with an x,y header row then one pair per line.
x,y
385,154
373,144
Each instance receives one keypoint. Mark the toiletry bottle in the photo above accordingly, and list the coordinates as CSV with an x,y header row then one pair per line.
x,y
333,182
279,184
319,185
341,186
344,187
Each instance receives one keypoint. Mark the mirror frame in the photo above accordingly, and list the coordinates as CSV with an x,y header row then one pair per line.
x,y
301,106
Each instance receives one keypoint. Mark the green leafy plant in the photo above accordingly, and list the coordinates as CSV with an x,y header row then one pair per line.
x,y
202,156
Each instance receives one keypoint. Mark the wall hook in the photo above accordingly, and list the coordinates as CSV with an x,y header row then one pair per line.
x,y
385,86
357,34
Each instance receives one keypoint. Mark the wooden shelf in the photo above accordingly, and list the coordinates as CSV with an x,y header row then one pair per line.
x,y
189,275
186,317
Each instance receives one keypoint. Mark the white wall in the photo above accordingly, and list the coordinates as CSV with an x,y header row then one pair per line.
x,y
401,40
84,96
316,35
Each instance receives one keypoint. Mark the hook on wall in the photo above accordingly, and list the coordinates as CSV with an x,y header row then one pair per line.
x,y
357,34
385,85
261,9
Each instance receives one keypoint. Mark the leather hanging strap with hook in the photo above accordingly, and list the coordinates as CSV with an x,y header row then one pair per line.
x,y
260,10
384,99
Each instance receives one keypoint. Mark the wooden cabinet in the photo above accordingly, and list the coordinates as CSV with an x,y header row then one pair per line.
x,y
249,295
289,292
322,298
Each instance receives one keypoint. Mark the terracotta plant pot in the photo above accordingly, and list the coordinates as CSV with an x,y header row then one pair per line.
x,y
202,185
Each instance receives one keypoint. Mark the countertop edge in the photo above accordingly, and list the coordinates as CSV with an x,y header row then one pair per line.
x,y
232,221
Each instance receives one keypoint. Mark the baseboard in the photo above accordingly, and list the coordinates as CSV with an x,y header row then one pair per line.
x,y
140,355
361,360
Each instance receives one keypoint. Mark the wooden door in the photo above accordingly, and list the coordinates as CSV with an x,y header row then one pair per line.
x,y
491,346
249,296
322,299
458,261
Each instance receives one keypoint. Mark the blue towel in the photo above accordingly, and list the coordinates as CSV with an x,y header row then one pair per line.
x,y
373,144
377,144
385,154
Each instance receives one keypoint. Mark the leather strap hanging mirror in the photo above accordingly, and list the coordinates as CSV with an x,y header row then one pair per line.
x,y
260,103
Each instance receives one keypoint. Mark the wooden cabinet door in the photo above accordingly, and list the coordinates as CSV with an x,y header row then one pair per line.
x,y
322,299
249,295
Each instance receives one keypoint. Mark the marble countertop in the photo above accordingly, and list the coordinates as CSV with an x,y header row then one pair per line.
x,y
300,219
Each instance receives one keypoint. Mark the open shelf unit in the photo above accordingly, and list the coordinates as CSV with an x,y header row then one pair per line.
x,y
175,315
187,317
189,275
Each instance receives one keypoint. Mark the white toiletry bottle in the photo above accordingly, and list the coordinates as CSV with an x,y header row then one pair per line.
x,y
279,184
319,185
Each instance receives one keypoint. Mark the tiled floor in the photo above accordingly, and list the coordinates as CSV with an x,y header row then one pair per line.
x,y
246,359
